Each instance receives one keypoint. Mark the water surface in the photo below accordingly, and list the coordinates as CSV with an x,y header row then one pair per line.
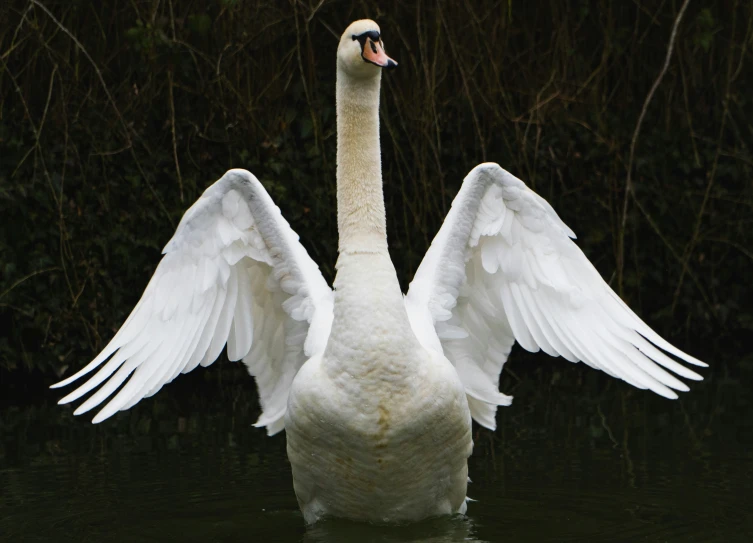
x,y
565,464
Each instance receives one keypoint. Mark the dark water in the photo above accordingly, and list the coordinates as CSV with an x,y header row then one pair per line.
x,y
566,464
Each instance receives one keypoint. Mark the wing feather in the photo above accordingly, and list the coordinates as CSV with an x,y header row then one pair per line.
x,y
502,268
233,274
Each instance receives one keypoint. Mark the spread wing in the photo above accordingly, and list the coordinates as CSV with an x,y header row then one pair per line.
x,y
503,268
234,273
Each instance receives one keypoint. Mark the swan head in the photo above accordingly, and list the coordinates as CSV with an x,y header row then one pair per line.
x,y
361,50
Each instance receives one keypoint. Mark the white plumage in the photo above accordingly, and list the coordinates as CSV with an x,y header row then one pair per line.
x,y
376,390
234,273
503,269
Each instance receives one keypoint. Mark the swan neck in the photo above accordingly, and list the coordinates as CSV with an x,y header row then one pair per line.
x,y
360,202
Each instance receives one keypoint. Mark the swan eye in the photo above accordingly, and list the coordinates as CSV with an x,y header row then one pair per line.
x,y
371,35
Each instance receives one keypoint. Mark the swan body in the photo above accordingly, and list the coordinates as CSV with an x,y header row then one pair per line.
x,y
375,390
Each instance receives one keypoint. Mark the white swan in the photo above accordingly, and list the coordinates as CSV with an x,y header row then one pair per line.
x,y
376,390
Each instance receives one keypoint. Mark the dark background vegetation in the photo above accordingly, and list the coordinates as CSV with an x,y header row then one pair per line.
x,y
115,116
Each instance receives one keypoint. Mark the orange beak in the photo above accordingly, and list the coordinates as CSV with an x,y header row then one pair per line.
x,y
373,51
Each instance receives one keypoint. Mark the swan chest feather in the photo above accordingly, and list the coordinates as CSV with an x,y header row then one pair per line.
x,y
378,427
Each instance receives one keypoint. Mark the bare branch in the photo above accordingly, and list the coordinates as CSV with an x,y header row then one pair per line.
x,y
628,180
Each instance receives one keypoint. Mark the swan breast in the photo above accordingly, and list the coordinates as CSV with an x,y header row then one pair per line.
x,y
385,455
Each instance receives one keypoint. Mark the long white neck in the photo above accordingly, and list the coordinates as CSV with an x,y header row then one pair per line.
x,y
360,202
370,328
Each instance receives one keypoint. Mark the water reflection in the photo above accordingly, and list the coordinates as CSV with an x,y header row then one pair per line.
x,y
619,465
